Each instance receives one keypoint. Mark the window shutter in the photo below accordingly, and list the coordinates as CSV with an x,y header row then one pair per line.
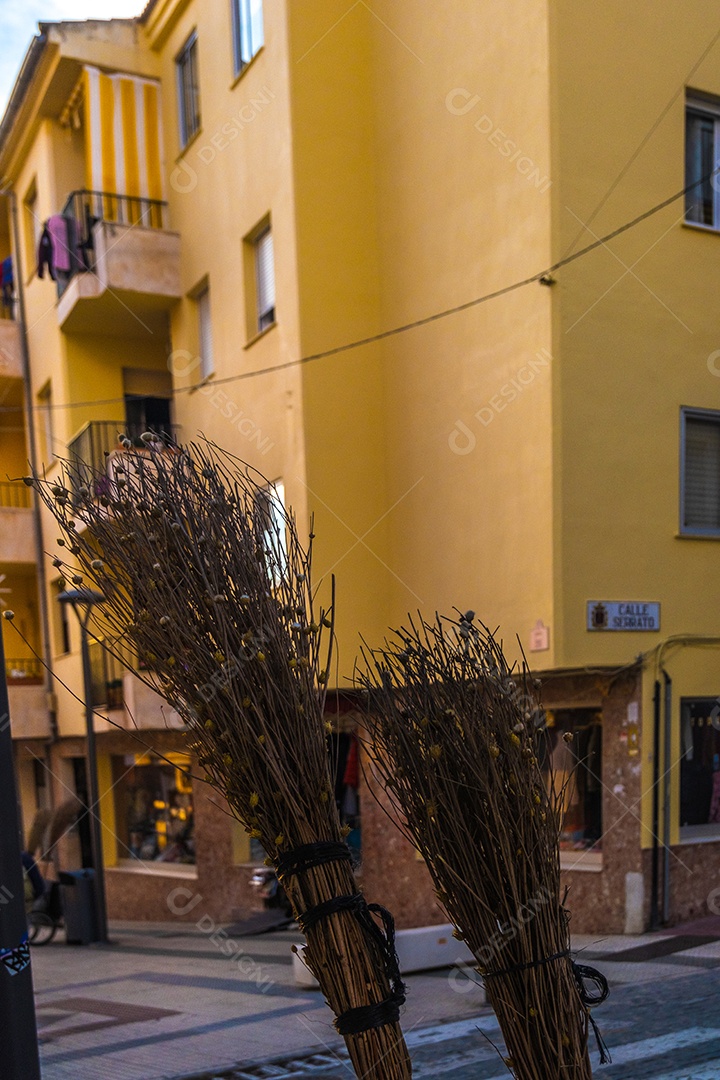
x,y
265,272
205,328
702,474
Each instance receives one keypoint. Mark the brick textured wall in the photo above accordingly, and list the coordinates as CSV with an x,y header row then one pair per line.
x,y
393,876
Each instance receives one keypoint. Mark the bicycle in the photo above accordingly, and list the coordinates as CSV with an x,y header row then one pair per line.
x,y
45,916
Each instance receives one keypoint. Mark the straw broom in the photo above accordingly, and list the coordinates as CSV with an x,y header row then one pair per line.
x,y
210,600
456,740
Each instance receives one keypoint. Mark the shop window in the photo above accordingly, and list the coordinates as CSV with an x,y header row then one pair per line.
x,y
574,768
699,768
246,850
154,807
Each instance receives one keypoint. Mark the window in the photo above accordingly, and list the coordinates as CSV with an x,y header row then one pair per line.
x,y
699,767
33,224
62,625
188,90
207,365
574,769
47,435
154,807
702,157
270,517
247,31
265,279
700,472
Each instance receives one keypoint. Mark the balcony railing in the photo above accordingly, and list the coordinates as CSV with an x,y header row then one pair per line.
x,y
25,671
84,209
14,495
90,449
106,677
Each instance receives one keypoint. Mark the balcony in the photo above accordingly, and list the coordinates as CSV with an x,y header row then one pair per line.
x,y
125,266
117,690
10,355
96,449
16,525
29,717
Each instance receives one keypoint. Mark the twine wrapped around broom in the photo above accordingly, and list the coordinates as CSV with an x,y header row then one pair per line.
x,y
457,741
210,601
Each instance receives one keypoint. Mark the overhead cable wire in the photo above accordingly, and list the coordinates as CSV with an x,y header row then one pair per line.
x,y
405,327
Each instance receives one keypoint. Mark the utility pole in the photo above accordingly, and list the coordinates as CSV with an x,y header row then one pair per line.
x,y
19,1051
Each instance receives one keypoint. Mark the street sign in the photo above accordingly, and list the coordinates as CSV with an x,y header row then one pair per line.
x,y
622,615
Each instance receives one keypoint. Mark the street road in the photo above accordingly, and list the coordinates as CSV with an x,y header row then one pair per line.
x,y
176,1001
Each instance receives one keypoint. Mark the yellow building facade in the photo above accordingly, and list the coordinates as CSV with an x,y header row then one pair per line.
x,y
253,193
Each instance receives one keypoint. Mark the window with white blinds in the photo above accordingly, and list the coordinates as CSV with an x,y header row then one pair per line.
x,y
205,333
700,497
265,279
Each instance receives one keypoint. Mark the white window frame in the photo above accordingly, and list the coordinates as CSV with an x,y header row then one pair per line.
x,y
205,335
687,413
271,511
183,65
248,34
265,298
710,109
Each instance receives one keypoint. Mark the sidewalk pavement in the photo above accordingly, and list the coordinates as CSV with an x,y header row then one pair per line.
x,y
166,1001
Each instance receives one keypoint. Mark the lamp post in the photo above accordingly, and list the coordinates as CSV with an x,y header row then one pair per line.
x,y
82,601
17,1008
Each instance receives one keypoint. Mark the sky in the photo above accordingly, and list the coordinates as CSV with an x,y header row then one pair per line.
x,y
19,19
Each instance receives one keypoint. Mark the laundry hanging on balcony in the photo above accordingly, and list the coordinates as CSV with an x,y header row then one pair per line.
x,y
124,147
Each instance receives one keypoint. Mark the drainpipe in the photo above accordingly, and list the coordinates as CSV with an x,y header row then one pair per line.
x,y
654,876
32,454
666,799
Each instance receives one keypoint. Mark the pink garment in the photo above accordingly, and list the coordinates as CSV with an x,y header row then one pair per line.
x,y
58,229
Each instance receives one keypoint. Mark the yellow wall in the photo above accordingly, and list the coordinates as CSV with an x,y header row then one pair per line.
x,y
633,346
23,600
404,208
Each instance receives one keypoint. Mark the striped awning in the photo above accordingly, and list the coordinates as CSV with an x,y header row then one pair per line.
x,y
124,142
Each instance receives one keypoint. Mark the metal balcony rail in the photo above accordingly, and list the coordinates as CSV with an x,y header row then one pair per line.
x,y
90,448
85,208
27,671
14,495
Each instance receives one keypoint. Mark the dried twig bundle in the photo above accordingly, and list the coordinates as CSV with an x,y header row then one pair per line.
x,y
210,601
457,741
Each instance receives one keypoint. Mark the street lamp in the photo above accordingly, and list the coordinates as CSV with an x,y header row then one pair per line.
x,y
82,601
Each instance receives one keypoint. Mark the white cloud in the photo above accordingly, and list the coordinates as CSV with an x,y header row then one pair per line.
x,y
19,22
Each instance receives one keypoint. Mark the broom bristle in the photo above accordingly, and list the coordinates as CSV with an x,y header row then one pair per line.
x,y
457,742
